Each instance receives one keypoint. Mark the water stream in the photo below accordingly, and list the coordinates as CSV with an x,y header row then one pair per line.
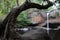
x,y
48,23
55,9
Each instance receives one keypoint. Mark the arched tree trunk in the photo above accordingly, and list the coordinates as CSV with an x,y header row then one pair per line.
x,y
13,14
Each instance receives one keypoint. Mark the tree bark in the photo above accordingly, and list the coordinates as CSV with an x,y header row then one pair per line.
x,y
16,11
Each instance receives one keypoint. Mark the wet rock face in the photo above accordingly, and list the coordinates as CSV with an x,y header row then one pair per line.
x,y
52,25
35,16
37,19
54,34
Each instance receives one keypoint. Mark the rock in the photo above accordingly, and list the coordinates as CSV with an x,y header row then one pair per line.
x,y
38,34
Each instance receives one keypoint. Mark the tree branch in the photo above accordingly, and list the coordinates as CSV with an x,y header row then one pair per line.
x,y
16,11
25,6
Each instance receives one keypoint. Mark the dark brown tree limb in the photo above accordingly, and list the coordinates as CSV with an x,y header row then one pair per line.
x,y
16,11
25,6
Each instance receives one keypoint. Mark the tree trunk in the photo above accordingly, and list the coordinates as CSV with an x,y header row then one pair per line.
x,y
11,17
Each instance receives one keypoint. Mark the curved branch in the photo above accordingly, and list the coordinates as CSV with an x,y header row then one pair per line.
x,y
28,5
16,11
25,6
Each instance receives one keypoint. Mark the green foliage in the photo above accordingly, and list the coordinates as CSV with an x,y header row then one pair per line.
x,y
58,0
23,20
21,2
5,7
36,1
2,17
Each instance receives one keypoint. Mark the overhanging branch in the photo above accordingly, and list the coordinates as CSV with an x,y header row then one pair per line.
x,y
16,11
28,5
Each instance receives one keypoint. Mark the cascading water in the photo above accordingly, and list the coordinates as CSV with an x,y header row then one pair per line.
x,y
48,23
55,9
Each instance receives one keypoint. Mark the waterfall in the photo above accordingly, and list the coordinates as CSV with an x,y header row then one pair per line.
x,y
48,23
54,9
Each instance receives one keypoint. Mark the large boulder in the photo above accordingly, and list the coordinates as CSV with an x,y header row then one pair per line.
x,y
37,34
